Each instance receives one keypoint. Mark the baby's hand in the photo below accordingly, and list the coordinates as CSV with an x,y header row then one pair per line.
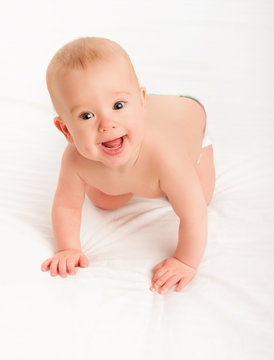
x,y
65,261
168,273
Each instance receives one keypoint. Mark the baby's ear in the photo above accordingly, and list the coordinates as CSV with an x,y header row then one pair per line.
x,y
58,122
143,95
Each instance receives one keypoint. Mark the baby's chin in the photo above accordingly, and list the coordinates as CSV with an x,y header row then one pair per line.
x,y
95,154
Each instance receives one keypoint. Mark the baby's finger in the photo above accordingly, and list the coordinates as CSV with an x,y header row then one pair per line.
x,y
182,283
169,284
159,282
158,274
62,266
71,265
53,266
83,261
45,264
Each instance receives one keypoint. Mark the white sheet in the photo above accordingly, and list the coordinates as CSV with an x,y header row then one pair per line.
x,y
219,51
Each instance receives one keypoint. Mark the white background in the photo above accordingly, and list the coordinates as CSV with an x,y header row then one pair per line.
x,y
220,51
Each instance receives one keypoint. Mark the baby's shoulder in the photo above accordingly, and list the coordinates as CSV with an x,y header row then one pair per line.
x,y
71,158
70,154
75,163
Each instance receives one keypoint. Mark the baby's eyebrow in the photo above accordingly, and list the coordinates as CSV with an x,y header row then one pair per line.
x,y
120,92
74,108
113,93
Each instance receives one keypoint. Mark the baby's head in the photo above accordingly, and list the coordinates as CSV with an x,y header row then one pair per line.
x,y
95,92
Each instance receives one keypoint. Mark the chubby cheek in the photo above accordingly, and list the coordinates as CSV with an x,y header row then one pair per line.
x,y
137,131
87,151
136,128
86,146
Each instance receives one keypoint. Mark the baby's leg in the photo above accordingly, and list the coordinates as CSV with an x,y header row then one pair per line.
x,y
206,172
104,201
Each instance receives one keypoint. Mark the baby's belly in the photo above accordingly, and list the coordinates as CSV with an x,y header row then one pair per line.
x,y
147,190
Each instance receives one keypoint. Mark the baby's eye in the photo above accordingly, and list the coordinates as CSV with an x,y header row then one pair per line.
x,y
86,115
118,103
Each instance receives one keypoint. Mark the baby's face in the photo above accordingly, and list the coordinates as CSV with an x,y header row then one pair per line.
x,y
98,105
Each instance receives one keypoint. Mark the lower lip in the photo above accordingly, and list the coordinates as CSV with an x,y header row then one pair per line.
x,y
115,152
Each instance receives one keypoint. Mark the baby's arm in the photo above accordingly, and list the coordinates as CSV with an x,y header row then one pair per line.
x,y
180,182
66,219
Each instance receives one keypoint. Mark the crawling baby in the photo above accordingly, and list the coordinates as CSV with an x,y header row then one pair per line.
x,y
122,141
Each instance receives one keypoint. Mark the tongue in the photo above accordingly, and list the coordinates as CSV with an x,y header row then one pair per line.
x,y
113,143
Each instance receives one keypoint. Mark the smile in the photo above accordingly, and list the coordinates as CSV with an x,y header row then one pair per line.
x,y
113,151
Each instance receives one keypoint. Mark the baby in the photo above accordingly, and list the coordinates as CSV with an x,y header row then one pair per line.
x,y
121,142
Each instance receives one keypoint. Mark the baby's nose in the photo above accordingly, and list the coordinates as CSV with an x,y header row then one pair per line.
x,y
106,128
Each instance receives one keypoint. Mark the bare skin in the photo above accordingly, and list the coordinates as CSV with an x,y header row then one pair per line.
x,y
185,125
161,149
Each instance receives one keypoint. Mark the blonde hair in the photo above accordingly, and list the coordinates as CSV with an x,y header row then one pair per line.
x,y
80,53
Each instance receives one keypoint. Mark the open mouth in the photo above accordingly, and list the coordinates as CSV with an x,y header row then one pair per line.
x,y
114,147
